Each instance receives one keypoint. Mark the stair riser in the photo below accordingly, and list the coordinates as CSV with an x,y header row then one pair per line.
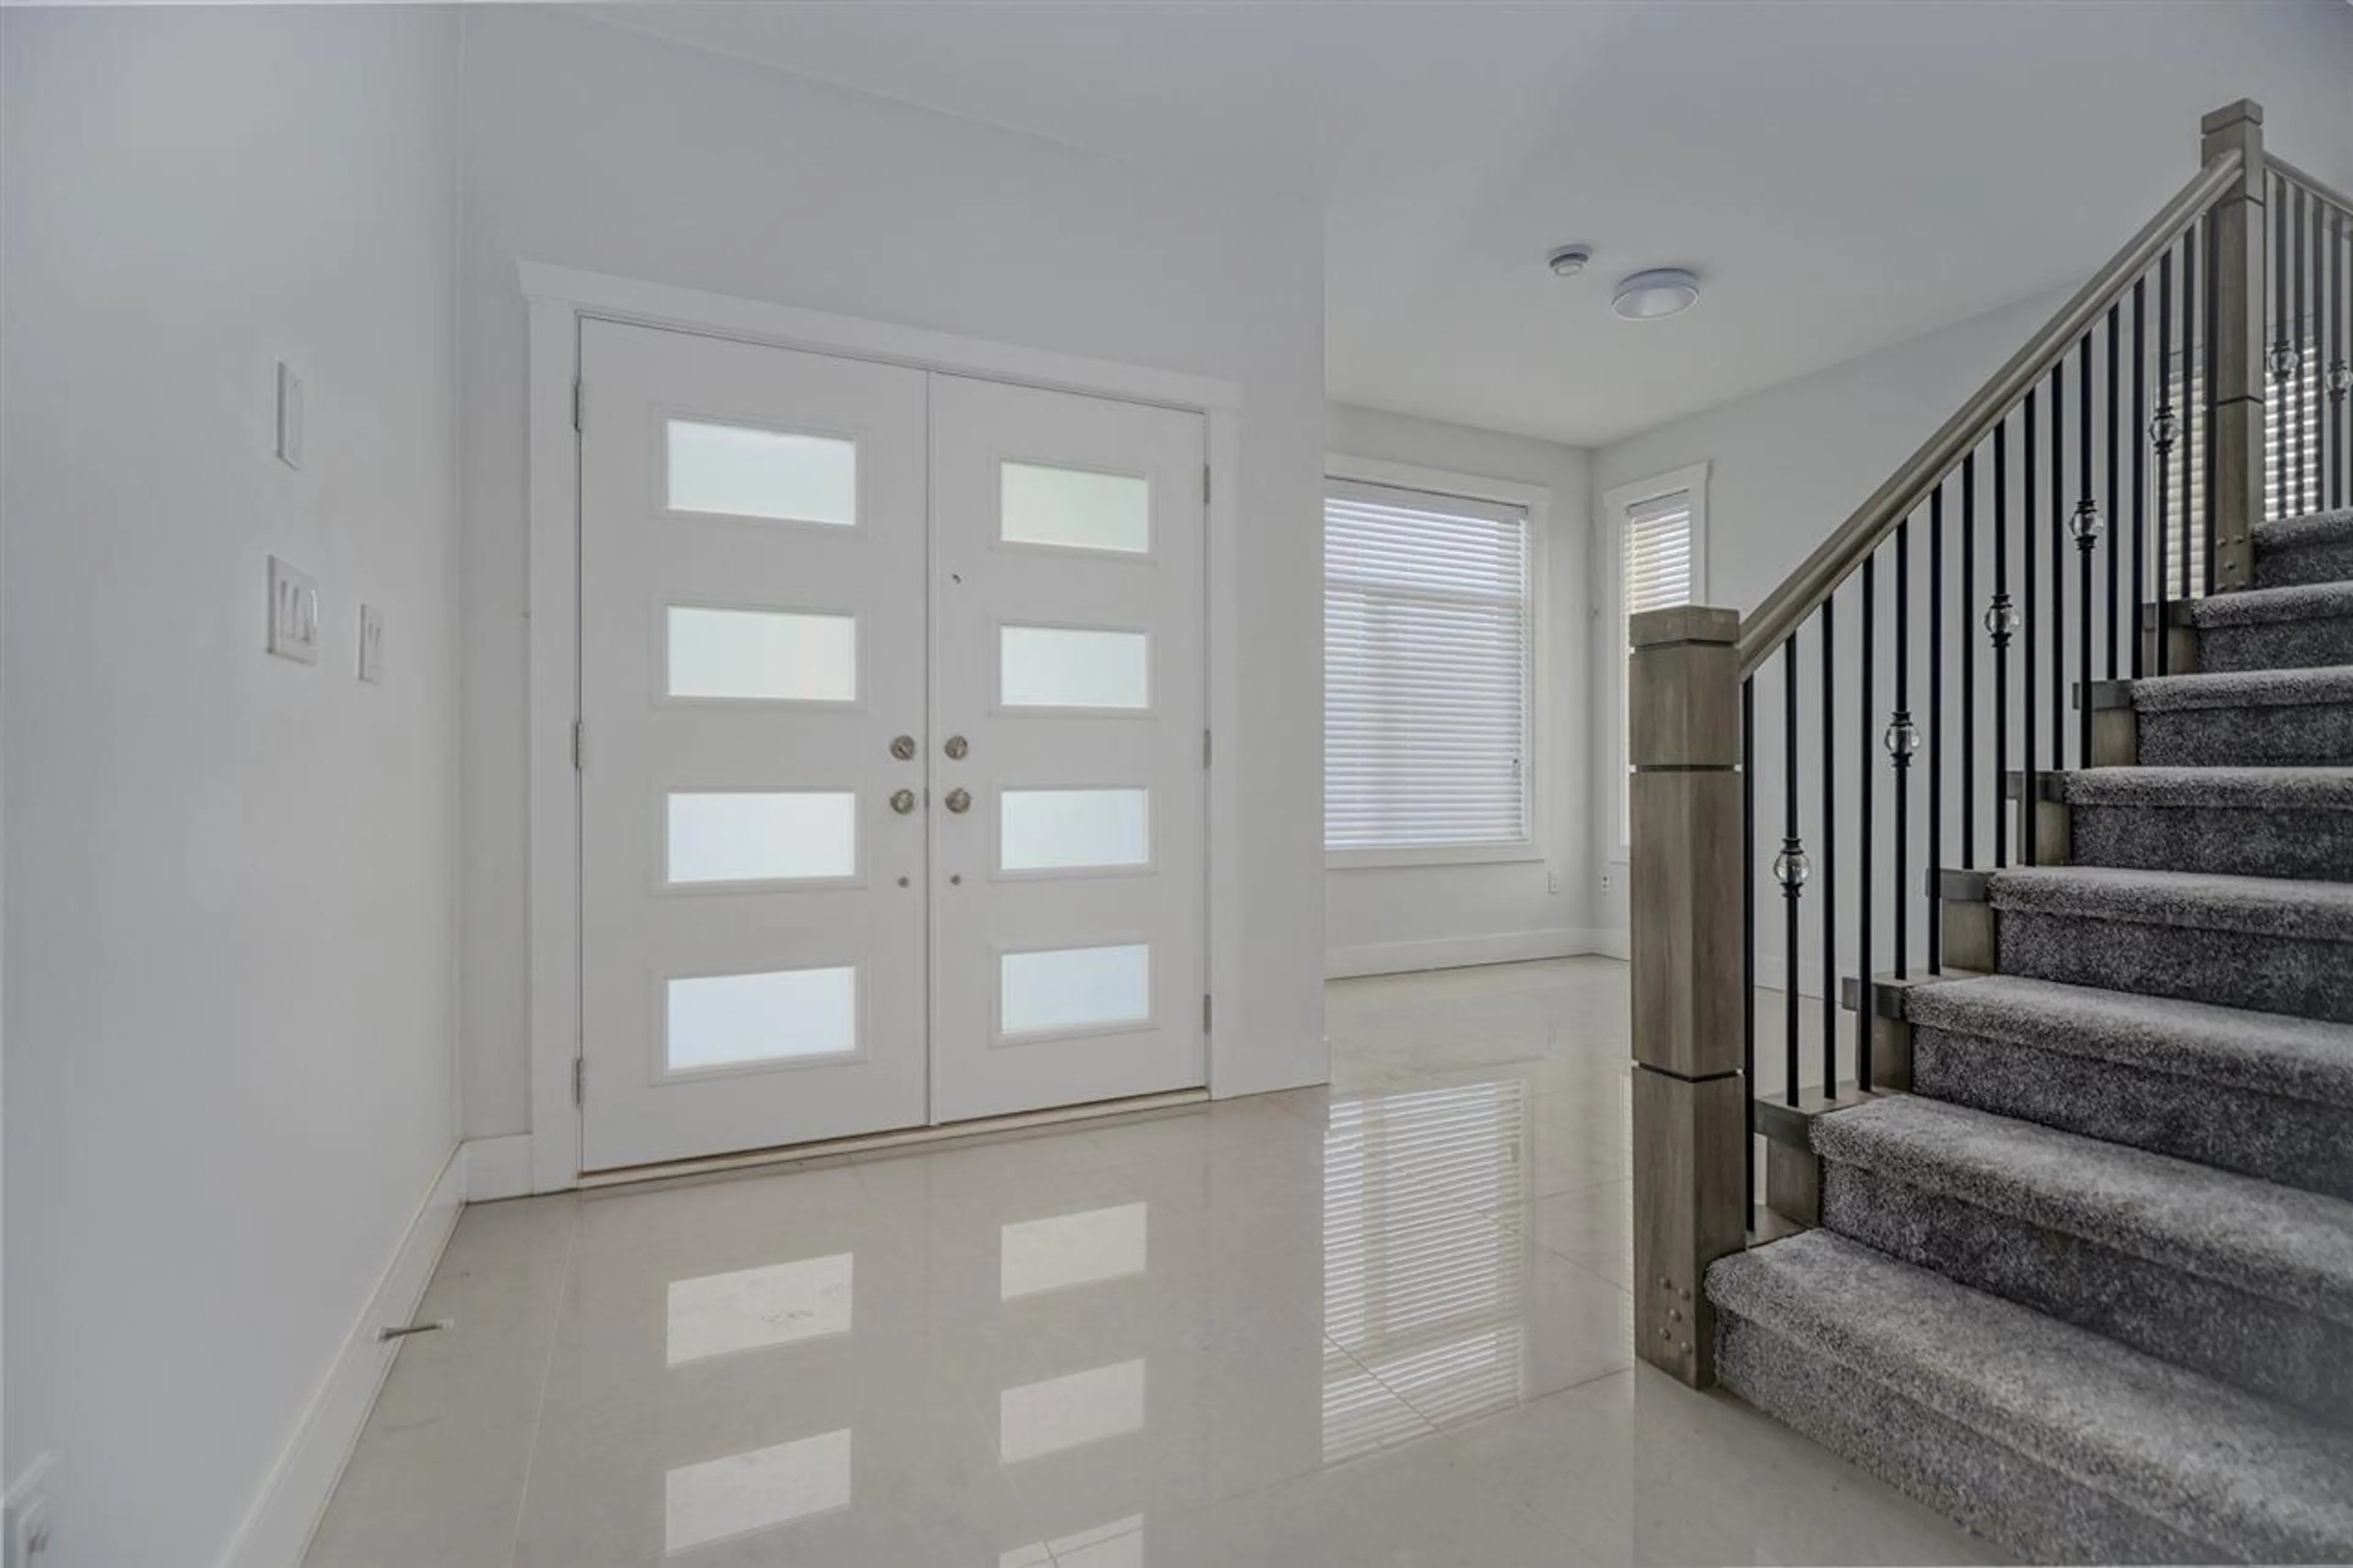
x,y
2330,562
2311,979
2227,841
2039,1512
2269,1347
2275,645
2298,1144
2311,735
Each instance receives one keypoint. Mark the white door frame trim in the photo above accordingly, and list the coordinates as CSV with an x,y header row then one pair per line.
x,y
558,299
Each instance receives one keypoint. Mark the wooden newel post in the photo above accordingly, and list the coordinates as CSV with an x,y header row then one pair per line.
x,y
2235,350
1689,1094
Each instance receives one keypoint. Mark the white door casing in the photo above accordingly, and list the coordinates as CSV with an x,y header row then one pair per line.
x,y
752,908
1068,951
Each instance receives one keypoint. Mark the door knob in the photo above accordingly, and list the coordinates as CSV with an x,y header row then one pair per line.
x,y
903,801
903,748
959,801
956,747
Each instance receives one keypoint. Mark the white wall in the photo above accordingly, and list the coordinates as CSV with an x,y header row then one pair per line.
x,y
1788,466
230,897
591,147
1378,920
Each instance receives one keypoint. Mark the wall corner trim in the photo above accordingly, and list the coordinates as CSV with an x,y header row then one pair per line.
x,y
497,1167
277,1530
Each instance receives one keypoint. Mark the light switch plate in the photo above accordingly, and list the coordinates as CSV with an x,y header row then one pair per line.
x,y
289,417
293,613
371,645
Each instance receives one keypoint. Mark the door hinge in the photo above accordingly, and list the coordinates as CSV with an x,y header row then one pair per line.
x,y
579,1080
579,745
1205,1012
1205,748
579,398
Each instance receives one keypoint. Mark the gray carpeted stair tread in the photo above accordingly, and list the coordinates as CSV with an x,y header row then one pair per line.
x,y
2317,548
2262,607
2302,1058
2239,1475
2263,906
2297,789
2305,532
2293,1247
2324,685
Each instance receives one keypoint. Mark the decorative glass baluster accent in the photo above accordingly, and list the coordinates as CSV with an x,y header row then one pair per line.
x,y
2163,429
2001,620
2085,523
2340,379
2283,360
1790,867
1903,738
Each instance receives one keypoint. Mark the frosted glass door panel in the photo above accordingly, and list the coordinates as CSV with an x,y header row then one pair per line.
x,y
1064,666
728,1020
1073,829
1074,508
1074,988
763,655
717,836
736,470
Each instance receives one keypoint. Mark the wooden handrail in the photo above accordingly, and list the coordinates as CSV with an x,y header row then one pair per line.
x,y
1765,627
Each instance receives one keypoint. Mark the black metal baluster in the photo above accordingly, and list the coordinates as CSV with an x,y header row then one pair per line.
x,y
1866,664
1968,663
2196,405
2340,369
2139,474
1789,867
2032,621
2295,506
2165,425
2277,360
1901,741
2116,611
2000,621
2056,527
1936,725
2085,525
1829,845
1748,946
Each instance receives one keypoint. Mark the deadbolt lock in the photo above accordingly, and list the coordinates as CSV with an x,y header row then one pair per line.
x,y
903,801
959,801
903,748
956,747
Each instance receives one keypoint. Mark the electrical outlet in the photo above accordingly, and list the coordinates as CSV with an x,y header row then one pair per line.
x,y
1606,881
293,613
1552,882
371,645
27,1511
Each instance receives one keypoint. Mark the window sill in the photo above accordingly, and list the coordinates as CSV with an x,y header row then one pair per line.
x,y
1435,855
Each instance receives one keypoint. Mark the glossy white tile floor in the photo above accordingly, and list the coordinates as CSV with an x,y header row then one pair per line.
x,y
1382,1323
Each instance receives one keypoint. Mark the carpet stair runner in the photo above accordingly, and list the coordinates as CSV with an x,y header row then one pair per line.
x,y
2088,1288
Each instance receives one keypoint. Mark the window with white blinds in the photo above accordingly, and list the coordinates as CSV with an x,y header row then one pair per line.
x,y
1654,562
1426,643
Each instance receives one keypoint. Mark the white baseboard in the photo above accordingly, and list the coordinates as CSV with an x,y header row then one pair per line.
x,y
278,1529
498,1167
1612,943
1455,953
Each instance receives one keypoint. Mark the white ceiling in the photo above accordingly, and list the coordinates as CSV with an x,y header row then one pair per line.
x,y
1842,174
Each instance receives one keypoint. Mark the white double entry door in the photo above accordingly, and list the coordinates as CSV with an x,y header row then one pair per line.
x,y
892,703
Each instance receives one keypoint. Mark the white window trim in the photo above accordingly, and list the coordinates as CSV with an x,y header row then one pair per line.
x,y
1615,504
1537,500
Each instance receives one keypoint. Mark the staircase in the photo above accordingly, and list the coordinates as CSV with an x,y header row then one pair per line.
x,y
2076,1255
2088,1288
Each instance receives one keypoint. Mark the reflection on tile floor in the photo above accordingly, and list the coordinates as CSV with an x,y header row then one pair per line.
x,y
1382,1322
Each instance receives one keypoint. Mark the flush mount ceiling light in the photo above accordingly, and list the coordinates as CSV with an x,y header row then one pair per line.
x,y
1662,291
1570,260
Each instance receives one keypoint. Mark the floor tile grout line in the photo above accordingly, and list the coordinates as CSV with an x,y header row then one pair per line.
x,y
546,1373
